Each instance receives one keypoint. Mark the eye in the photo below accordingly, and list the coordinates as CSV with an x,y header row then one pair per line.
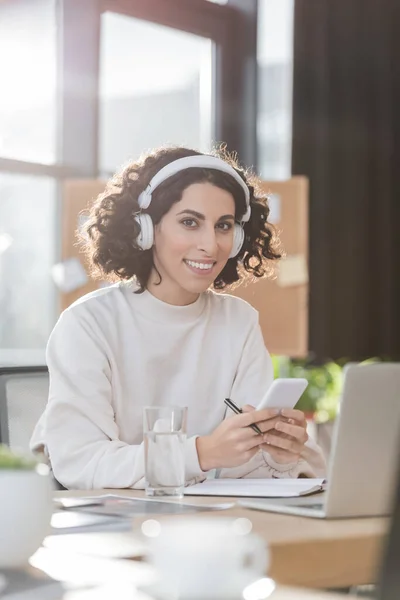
x,y
225,226
189,223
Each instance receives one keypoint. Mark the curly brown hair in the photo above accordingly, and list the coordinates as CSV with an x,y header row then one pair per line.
x,y
110,233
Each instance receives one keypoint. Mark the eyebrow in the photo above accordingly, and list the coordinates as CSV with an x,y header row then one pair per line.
x,y
200,216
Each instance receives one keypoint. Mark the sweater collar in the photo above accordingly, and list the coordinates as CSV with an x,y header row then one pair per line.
x,y
157,310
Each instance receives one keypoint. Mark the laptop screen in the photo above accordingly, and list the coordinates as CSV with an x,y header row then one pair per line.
x,y
390,574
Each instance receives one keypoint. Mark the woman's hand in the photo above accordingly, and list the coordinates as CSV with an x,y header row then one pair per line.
x,y
233,442
285,443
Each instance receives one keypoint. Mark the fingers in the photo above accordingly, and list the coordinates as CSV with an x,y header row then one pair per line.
x,y
248,408
284,443
285,440
255,416
244,434
245,440
288,413
254,443
295,431
269,424
293,413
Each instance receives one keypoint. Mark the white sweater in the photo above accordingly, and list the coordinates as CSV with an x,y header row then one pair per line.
x,y
113,352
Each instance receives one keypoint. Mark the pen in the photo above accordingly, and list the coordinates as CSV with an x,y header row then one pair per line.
x,y
230,404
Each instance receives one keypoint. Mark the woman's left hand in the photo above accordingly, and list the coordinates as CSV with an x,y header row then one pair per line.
x,y
286,441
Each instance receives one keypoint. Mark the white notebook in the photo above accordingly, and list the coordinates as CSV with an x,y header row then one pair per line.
x,y
256,488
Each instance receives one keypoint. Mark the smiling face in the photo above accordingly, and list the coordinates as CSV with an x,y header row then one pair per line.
x,y
192,243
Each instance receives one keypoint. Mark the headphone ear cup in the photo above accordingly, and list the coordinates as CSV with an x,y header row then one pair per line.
x,y
238,239
145,239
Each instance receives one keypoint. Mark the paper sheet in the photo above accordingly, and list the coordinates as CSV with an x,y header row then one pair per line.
x,y
293,270
256,488
274,203
126,506
69,275
63,522
82,219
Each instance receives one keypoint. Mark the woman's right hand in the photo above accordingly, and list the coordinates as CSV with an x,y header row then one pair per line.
x,y
233,442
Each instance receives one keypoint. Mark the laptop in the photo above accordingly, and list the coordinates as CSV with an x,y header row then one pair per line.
x,y
389,586
363,464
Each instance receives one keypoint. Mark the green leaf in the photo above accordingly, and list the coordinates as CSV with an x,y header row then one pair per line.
x,y
12,461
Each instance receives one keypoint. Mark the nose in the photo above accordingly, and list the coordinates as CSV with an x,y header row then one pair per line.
x,y
208,241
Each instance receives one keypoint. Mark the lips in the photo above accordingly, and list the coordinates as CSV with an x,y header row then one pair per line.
x,y
200,267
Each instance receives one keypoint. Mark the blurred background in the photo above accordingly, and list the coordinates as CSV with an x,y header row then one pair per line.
x,y
295,87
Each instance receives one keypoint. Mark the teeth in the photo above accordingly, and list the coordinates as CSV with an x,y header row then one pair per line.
x,y
196,265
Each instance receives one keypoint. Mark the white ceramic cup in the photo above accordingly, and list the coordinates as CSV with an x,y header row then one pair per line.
x,y
206,558
25,513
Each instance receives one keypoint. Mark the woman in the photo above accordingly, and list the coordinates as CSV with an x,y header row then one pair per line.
x,y
168,227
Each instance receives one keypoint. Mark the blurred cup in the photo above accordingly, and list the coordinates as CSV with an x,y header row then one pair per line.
x,y
164,434
26,506
206,558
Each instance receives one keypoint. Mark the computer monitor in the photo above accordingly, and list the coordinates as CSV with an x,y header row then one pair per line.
x,y
389,588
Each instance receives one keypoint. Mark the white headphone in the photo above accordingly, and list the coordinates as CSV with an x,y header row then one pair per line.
x,y
145,239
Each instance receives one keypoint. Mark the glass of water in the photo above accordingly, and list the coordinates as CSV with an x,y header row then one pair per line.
x,y
164,433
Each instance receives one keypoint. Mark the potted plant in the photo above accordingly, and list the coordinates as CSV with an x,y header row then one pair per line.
x,y
320,400
25,508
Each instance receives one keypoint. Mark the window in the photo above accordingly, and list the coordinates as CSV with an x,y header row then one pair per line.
x,y
154,84
275,68
28,249
28,76
155,88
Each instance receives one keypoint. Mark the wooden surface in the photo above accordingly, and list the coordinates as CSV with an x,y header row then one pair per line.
x,y
305,552
285,593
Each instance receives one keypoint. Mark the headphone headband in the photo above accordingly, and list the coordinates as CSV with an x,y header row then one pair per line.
x,y
200,161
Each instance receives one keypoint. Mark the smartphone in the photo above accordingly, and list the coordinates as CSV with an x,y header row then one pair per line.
x,y
283,393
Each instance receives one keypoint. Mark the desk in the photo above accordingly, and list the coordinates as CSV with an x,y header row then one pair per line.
x,y
102,579
281,593
305,552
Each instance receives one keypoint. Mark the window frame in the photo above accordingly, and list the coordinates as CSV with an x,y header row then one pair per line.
x,y
231,26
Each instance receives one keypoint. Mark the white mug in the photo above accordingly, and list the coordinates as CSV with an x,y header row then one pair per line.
x,y
26,506
206,558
